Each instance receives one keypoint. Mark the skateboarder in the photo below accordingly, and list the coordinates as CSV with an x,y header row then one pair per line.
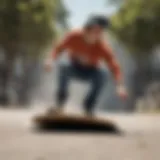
x,y
86,48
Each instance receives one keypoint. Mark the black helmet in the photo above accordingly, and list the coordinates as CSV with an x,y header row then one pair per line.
x,y
99,20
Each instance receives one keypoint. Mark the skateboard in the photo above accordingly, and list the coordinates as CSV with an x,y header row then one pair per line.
x,y
68,122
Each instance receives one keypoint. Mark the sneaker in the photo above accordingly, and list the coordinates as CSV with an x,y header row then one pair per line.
x,y
54,111
89,114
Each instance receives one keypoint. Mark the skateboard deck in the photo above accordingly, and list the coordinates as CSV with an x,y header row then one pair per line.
x,y
74,122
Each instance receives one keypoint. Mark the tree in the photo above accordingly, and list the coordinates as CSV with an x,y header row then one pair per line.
x,y
136,25
62,15
27,28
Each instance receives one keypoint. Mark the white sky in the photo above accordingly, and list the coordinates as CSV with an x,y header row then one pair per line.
x,y
80,9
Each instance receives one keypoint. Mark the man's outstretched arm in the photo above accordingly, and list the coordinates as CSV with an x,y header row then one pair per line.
x,y
113,65
62,46
58,49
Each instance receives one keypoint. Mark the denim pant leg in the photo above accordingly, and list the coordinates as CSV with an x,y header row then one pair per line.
x,y
67,73
63,84
97,79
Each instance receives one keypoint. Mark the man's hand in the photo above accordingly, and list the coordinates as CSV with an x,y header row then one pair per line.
x,y
122,92
48,65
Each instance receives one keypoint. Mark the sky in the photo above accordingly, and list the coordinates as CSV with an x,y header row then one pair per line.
x,y
81,9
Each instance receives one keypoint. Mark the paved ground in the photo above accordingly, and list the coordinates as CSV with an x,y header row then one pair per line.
x,y
141,140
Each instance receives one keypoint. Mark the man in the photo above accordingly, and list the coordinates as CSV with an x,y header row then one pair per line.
x,y
86,49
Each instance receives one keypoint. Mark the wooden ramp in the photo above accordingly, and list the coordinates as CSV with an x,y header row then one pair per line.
x,y
67,122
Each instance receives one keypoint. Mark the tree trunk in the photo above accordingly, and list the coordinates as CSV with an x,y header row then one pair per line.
x,y
6,74
27,80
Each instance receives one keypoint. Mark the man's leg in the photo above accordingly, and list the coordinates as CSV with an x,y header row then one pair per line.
x,y
62,90
66,73
97,79
63,82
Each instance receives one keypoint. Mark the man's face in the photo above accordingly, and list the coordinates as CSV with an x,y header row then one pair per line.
x,y
95,33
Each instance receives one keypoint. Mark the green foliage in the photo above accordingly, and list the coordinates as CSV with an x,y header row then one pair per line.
x,y
137,24
62,14
29,23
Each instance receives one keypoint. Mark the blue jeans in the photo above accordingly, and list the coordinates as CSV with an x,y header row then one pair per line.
x,y
95,76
